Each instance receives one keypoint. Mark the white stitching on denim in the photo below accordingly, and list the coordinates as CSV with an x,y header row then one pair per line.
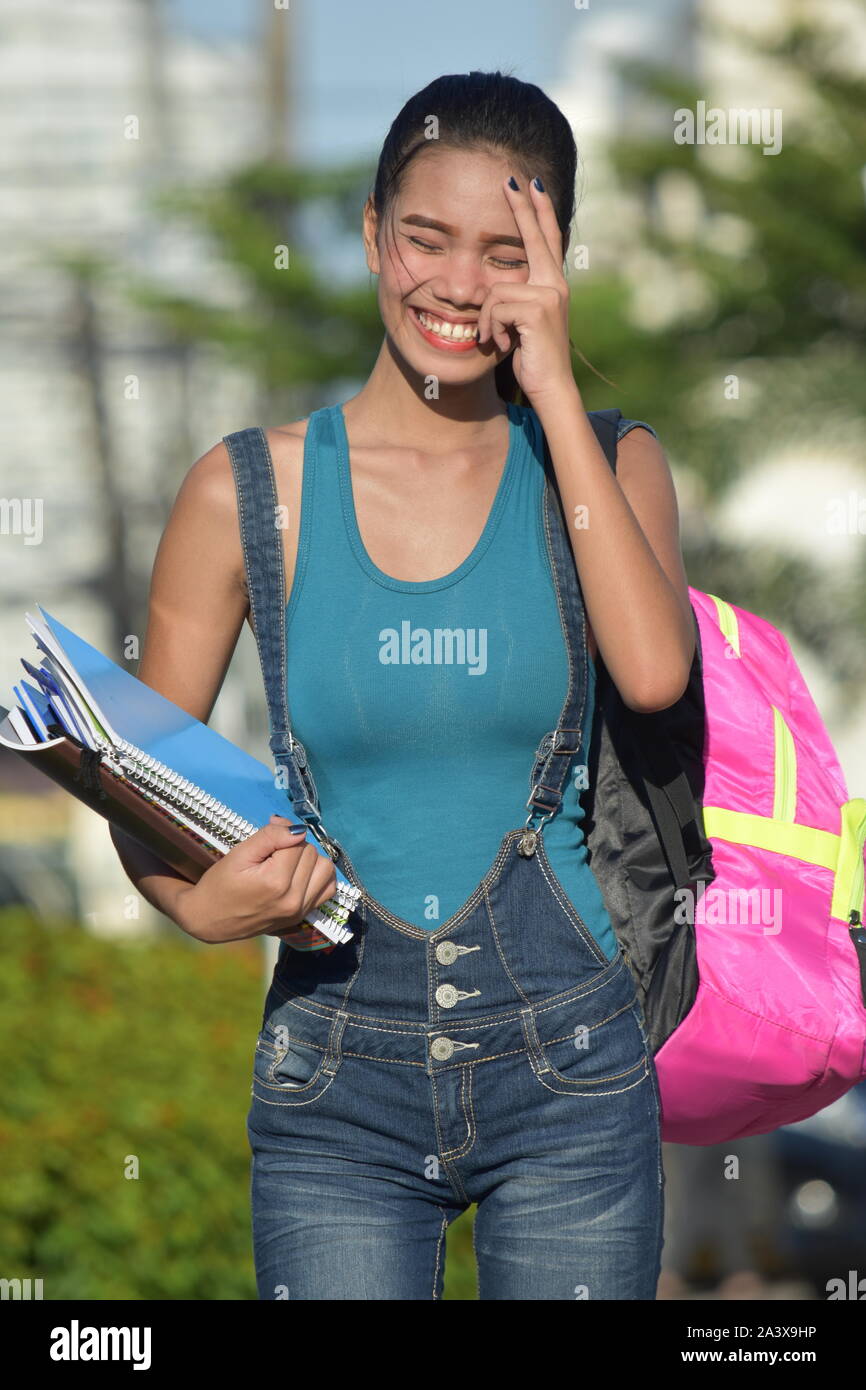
x,y
270,478
291,1089
393,1061
590,1081
308,1100
439,1253
453,1178
465,1091
332,1052
587,1095
624,426
313,1084
407,1062
491,1057
590,1028
548,504
412,1029
305,1042
538,1055
421,1029
327,1011
418,933
482,1021
545,1008
236,468
565,902
573,995
499,951
453,1154
556,1001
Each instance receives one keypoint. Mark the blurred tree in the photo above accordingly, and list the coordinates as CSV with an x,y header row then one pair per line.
x,y
765,257
296,329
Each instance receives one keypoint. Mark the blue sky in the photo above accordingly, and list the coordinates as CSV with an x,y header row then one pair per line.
x,y
355,64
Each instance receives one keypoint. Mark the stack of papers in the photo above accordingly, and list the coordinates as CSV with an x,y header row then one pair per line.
x,y
207,792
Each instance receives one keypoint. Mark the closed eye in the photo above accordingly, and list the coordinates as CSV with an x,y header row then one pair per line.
x,y
497,260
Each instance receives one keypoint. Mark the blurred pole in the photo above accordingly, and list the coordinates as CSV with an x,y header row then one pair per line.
x,y
277,86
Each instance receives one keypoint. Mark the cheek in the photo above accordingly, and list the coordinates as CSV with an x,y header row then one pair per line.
x,y
399,279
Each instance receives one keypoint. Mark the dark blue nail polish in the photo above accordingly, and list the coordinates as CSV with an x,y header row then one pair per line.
x,y
538,184
291,827
512,182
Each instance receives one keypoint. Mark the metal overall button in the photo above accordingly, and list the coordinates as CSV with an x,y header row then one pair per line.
x,y
441,1049
448,951
448,996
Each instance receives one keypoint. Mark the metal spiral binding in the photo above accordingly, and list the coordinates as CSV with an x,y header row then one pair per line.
x,y
224,823
178,791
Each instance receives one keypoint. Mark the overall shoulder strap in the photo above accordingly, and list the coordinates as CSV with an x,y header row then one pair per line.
x,y
261,538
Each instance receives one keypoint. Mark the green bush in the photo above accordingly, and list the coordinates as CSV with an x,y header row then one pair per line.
x,y
144,1048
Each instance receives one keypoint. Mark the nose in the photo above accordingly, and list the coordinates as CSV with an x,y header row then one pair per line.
x,y
459,287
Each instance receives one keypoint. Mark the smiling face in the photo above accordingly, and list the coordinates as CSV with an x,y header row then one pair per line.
x,y
448,237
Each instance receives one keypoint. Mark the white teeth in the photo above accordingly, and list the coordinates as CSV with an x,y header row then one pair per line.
x,y
454,331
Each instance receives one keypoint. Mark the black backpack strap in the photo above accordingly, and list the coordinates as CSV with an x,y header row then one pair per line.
x,y
668,789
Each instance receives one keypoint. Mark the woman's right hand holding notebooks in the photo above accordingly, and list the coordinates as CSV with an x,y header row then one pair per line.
x,y
271,880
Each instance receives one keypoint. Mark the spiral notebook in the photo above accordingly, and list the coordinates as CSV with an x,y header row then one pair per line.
x,y
143,763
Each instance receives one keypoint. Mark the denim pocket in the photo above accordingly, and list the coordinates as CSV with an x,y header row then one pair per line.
x,y
294,1065
575,1055
290,1070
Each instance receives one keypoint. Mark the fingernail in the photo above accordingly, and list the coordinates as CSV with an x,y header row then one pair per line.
x,y
294,829
512,182
538,184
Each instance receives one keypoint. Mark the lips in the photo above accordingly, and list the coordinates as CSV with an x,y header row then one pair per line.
x,y
446,342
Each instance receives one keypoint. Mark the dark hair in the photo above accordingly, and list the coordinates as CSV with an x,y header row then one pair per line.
x,y
490,111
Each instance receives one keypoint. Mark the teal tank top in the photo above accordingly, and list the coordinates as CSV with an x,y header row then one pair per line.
x,y
420,705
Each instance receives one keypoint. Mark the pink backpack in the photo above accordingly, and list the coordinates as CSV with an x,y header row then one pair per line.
x,y
731,859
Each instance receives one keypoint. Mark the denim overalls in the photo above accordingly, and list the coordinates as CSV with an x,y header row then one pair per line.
x,y
501,1059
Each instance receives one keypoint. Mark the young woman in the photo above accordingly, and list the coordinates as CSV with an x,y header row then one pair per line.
x,y
479,1040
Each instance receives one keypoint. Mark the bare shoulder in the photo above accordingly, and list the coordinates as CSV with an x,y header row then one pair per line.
x,y
286,445
644,475
636,445
295,429
206,505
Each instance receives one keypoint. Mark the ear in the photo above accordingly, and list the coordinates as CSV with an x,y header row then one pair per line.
x,y
370,227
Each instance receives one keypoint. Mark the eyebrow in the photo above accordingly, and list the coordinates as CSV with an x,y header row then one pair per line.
x,y
417,220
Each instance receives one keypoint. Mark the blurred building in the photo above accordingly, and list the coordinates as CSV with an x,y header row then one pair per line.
x,y
103,106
